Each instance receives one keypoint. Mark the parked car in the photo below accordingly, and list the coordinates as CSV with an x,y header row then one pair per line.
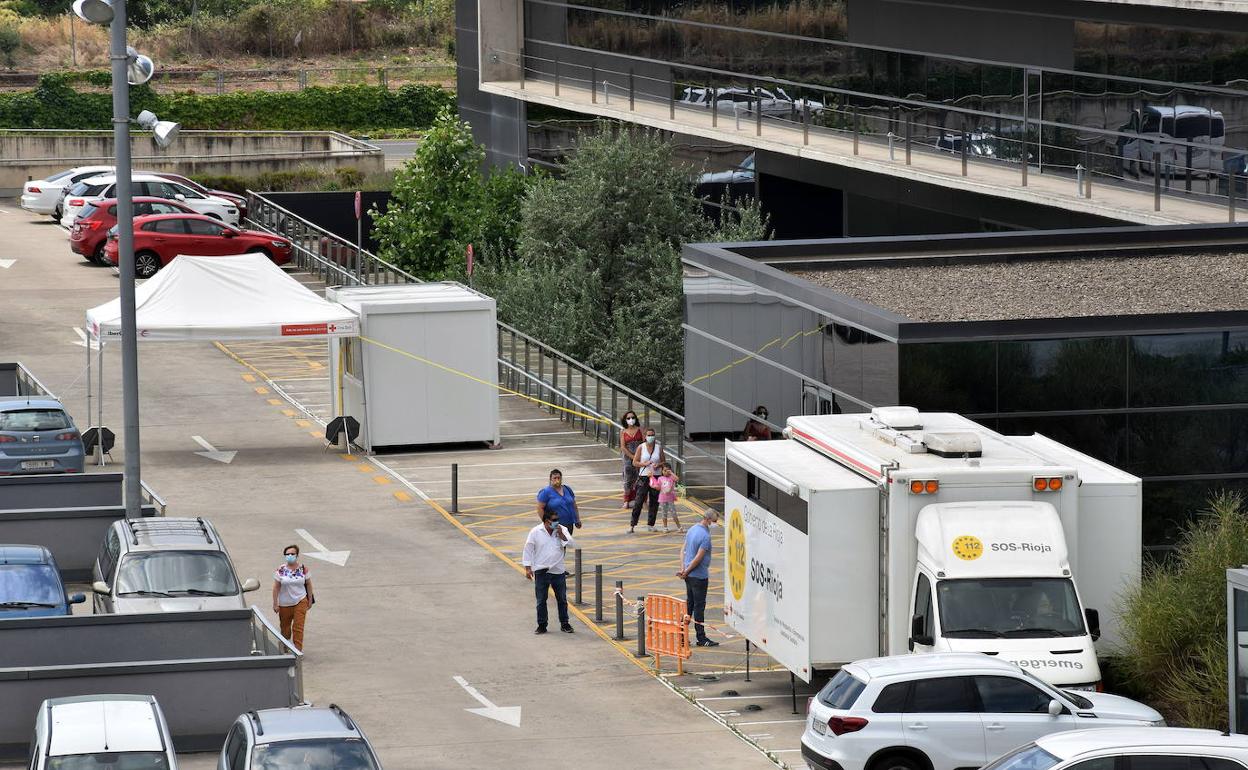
x,y
30,584
160,238
118,732
943,711
776,102
37,435
239,201
89,234
44,196
743,174
148,185
164,564
301,736
1130,748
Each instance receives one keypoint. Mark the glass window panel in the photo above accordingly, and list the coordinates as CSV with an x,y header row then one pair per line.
x,y
1041,375
1170,505
1180,443
1188,369
949,376
1104,436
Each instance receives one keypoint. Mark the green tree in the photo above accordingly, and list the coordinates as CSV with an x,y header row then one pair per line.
x,y
435,205
1174,624
10,41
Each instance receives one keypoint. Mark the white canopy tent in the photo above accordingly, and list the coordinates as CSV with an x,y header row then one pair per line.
x,y
241,297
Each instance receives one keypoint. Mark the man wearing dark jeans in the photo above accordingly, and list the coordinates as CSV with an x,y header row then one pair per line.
x,y
695,558
543,564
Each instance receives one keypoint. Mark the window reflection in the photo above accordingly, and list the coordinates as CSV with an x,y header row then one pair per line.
x,y
1189,369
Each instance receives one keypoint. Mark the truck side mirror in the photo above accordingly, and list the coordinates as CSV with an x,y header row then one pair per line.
x,y
1094,622
917,635
1055,708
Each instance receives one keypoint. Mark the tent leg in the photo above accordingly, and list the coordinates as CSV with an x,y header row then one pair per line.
x,y
88,349
99,401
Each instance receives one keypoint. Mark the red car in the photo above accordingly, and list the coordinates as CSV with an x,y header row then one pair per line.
x,y
89,233
160,238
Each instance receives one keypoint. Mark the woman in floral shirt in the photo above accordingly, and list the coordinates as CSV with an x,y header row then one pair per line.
x,y
292,595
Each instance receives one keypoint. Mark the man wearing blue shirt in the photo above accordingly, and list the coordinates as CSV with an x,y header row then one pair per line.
x,y
560,499
695,558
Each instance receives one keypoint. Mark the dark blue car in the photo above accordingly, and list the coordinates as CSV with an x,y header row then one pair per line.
x,y
30,585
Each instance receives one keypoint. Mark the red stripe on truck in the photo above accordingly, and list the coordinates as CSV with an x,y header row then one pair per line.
x,y
861,466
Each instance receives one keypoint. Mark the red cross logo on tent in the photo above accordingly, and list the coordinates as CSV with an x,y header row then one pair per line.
x,y
333,328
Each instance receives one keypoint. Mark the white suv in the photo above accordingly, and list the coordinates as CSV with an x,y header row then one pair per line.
x,y
944,711
101,731
1130,748
105,186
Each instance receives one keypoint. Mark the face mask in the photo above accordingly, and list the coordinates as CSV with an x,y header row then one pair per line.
x,y
291,558
630,422
649,439
553,525
763,415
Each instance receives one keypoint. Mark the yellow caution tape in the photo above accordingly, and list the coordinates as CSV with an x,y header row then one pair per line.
x,y
496,386
749,356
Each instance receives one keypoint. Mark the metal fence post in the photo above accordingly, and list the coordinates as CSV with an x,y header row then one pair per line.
x,y
598,592
619,610
580,581
220,82
1188,183
1023,154
556,74
1230,198
909,133
671,97
966,140
747,660
758,116
854,119
1156,181
303,79
641,627
1087,173
805,123
454,487
714,107
382,79
632,91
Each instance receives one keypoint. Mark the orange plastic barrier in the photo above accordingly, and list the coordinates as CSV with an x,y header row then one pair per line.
x,y
667,629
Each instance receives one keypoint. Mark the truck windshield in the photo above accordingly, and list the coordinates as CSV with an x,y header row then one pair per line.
x,y
1009,608
130,760
176,573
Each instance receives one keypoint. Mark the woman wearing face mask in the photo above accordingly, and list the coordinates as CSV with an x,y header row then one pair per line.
x,y
630,438
756,429
647,459
292,595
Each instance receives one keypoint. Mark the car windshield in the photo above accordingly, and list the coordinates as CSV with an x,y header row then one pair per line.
x,y
1009,608
34,419
130,760
323,754
86,189
842,690
87,210
176,573
26,585
1029,757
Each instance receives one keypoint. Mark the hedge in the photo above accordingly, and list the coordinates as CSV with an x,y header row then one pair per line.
x,y
54,104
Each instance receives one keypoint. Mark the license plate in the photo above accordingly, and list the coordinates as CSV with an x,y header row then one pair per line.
x,y
37,465
818,726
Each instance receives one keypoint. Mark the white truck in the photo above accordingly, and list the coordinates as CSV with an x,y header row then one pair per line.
x,y
874,534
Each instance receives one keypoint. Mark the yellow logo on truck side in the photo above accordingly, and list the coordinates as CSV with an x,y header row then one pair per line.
x,y
968,547
736,554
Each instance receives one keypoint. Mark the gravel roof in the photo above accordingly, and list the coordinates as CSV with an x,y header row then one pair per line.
x,y
1047,288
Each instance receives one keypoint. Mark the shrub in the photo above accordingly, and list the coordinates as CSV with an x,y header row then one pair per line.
x,y
1174,624
10,41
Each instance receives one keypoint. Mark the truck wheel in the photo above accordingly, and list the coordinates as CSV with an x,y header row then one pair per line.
x,y
896,762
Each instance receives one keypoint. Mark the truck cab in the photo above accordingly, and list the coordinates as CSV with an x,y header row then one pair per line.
x,y
995,578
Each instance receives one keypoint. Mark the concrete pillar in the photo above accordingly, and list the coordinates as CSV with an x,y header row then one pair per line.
x,y
500,28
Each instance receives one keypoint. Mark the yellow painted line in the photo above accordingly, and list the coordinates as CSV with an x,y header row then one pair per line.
x,y
365,468
276,402
402,496
316,433
352,458
289,412
249,378
303,424
262,390
381,479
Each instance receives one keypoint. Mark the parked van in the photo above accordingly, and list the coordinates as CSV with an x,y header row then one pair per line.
x,y
126,732
1203,127
166,565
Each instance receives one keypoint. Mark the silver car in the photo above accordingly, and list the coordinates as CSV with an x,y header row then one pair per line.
x,y
302,736
165,565
101,731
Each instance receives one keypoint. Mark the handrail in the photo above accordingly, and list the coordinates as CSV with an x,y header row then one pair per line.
x,y
526,365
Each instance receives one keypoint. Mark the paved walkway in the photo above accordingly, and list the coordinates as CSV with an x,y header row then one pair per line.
x,y
1113,200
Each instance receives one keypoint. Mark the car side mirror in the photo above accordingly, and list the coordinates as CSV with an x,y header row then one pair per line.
x,y
77,598
1094,623
100,587
917,636
180,197
1055,708
250,584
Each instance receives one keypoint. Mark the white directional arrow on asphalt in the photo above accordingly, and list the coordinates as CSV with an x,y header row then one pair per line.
x,y
323,553
508,715
211,452
7,263
82,340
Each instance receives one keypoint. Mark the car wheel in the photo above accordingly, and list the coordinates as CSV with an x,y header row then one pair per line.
x,y
56,215
146,264
896,762
265,252
97,256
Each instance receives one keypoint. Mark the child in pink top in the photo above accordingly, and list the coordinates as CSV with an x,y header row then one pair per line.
x,y
665,482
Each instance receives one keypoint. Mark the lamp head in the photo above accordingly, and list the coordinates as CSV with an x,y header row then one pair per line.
x,y
94,11
139,68
165,132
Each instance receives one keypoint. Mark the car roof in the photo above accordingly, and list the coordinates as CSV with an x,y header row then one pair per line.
x,y
24,554
91,724
17,403
180,215
933,663
301,723
1074,743
111,177
162,533
138,199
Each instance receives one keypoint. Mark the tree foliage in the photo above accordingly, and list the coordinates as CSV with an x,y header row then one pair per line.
x,y
1174,623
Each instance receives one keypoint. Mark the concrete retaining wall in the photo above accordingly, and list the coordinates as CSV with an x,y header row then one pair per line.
x,y
26,154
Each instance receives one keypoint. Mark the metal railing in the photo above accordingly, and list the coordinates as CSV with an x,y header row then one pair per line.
x,y
575,393
985,132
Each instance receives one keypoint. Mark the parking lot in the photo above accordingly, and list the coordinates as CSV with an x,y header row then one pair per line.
x,y
420,601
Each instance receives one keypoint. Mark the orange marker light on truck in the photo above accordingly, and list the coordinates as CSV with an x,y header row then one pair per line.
x,y
931,487
916,487
1040,484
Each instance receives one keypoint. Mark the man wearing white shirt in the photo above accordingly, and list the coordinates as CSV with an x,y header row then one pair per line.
x,y
543,564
